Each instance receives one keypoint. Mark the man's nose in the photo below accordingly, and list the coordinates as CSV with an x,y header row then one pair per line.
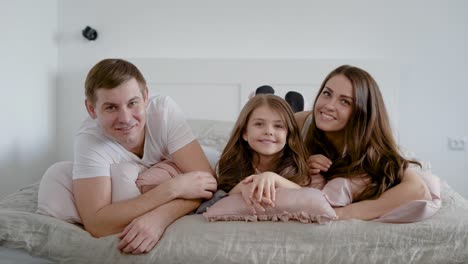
x,y
124,115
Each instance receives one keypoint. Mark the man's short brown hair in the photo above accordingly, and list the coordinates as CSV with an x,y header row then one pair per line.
x,y
110,73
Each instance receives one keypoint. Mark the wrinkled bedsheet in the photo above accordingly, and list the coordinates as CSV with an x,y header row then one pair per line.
x,y
440,239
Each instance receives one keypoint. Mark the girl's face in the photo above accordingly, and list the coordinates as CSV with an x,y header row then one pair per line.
x,y
266,132
334,105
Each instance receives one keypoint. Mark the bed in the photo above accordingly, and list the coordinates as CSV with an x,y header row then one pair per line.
x,y
33,238
27,237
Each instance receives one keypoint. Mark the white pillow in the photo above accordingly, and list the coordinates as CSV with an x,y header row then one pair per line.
x,y
211,133
55,196
212,154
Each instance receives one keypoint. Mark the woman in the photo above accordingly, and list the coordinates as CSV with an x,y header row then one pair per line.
x,y
348,134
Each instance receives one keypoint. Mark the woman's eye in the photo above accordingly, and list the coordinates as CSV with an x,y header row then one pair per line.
x,y
345,102
326,93
279,126
257,124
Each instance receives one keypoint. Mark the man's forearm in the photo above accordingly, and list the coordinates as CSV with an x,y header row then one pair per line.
x,y
113,217
175,209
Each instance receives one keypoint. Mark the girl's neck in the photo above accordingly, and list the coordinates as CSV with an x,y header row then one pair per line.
x,y
262,164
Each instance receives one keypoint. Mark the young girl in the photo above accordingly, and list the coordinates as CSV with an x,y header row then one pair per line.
x,y
348,135
264,152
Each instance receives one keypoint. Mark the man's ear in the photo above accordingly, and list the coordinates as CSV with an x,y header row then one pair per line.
x,y
91,109
145,95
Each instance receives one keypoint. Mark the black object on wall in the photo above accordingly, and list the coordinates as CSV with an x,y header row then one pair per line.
x,y
90,33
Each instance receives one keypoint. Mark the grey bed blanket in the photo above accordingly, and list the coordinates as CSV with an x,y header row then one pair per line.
x,y
191,239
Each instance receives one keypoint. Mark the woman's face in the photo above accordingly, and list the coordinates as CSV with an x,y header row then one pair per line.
x,y
334,105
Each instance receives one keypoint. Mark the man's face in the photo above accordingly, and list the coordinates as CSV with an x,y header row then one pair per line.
x,y
121,113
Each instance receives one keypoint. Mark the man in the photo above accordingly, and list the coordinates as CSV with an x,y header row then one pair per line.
x,y
124,125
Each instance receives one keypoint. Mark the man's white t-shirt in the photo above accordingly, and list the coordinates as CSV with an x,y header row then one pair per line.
x,y
166,131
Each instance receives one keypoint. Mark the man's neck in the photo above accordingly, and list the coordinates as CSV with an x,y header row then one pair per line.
x,y
138,148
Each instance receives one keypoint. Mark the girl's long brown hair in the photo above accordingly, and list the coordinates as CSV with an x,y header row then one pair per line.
x,y
235,163
370,147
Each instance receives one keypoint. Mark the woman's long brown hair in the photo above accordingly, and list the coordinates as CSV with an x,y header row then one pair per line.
x,y
236,160
370,147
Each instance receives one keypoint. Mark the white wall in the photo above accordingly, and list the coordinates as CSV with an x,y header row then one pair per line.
x,y
427,38
28,68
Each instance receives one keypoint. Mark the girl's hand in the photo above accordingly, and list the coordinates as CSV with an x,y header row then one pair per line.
x,y
318,163
254,206
263,187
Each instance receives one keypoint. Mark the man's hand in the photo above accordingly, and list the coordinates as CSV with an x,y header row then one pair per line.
x,y
195,185
142,234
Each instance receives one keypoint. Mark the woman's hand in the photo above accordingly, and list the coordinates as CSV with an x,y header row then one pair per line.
x,y
318,163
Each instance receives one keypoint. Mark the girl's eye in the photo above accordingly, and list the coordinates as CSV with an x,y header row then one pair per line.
x,y
279,126
257,124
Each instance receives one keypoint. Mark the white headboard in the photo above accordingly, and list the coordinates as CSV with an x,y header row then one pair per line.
x,y
217,89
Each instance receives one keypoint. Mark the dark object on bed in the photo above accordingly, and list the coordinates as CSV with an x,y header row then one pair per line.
x,y
295,100
265,89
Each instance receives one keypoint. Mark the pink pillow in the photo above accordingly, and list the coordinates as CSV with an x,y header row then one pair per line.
x,y
419,209
339,192
157,174
306,205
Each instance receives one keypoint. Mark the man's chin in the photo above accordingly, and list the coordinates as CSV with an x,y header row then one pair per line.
x,y
122,139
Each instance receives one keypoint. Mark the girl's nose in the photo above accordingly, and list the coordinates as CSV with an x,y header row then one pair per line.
x,y
268,131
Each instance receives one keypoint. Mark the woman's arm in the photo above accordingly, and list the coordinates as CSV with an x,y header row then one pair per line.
x,y
411,188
